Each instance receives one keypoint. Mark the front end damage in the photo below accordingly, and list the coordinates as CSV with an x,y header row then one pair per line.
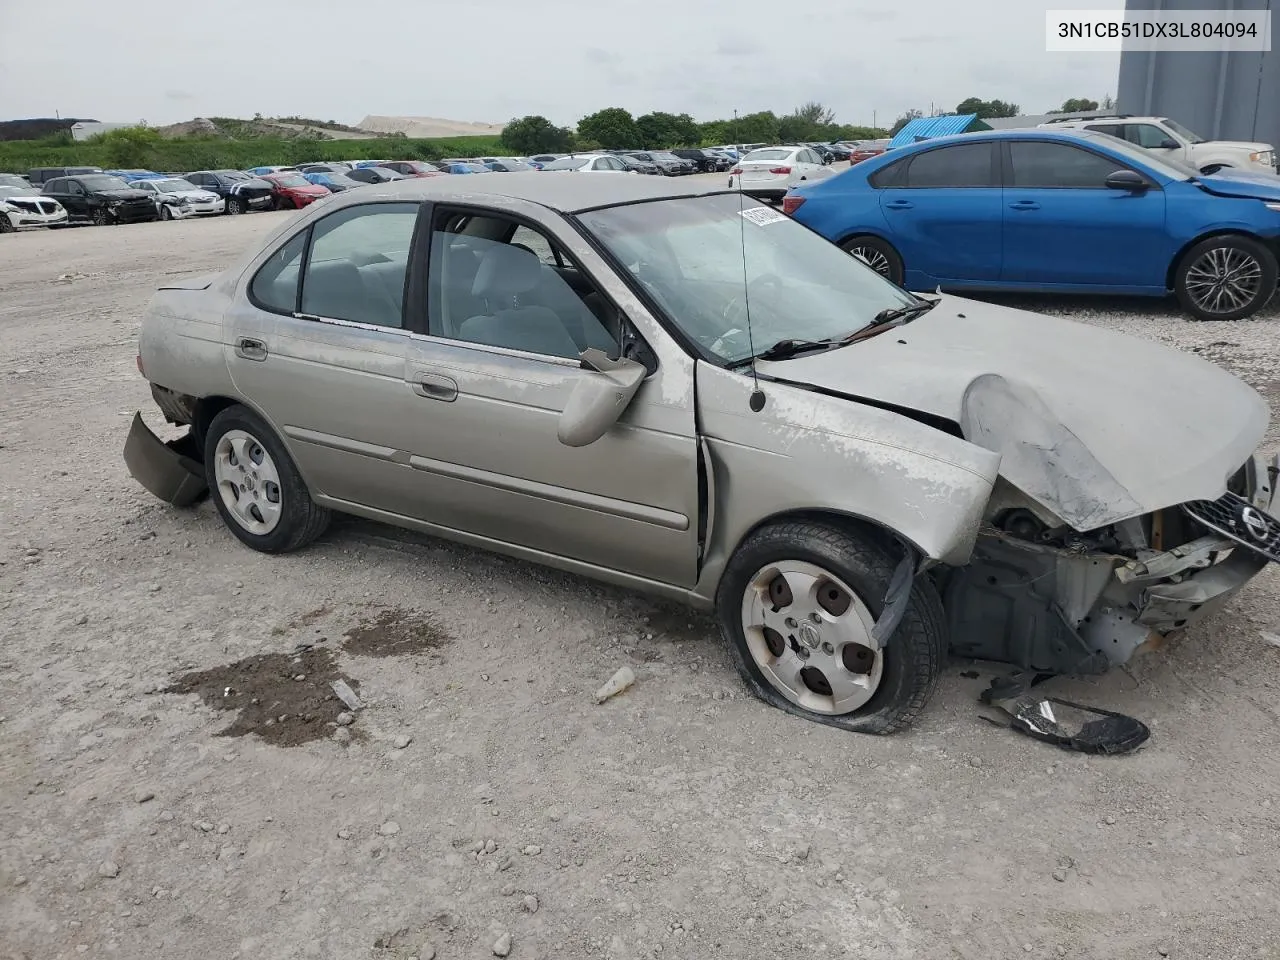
x,y
1053,600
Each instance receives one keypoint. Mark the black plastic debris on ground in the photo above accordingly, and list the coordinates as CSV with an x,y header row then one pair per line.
x,y
1052,720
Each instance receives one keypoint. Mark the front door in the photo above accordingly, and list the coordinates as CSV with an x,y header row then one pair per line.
x,y
319,344
509,310
1063,225
942,207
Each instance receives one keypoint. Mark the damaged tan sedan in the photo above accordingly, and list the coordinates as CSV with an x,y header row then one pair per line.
x,y
691,395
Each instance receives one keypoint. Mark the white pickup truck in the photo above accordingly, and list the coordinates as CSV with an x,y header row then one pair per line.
x,y
1171,140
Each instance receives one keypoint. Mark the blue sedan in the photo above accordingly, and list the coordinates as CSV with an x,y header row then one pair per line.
x,y
1054,212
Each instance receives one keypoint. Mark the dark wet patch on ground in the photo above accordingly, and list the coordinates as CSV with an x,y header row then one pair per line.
x,y
395,632
269,699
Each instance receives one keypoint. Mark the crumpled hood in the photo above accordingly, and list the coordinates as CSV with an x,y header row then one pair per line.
x,y
198,196
1248,184
1093,425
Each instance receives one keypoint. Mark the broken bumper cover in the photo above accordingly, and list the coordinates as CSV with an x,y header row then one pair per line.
x,y
171,470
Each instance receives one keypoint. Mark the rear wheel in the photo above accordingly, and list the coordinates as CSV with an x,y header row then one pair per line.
x,y
258,491
1225,278
878,255
797,604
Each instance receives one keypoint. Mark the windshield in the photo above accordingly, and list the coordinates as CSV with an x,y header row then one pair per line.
x,y
7,191
663,155
1183,132
235,175
568,163
688,254
292,180
104,183
174,186
772,154
1170,167
13,180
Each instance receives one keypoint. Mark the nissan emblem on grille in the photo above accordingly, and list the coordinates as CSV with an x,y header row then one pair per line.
x,y
1235,517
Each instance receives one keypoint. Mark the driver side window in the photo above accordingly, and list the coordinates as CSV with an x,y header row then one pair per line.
x,y
495,282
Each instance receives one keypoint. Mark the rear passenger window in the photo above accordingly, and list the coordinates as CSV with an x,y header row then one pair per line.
x,y
275,286
966,165
358,262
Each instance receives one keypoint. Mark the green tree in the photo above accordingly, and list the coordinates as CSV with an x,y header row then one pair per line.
x,y
613,128
1076,105
903,120
662,130
753,128
988,108
815,113
128,147
535,134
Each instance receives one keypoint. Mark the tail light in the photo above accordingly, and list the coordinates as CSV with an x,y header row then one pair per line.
x,y
780,171
735,172
791,203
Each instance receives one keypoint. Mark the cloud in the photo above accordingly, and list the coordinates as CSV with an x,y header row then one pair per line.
x,y
739,47
597,55
178,95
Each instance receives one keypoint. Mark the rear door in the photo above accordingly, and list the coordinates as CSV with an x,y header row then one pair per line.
x,y
943,208
318,344
1063,225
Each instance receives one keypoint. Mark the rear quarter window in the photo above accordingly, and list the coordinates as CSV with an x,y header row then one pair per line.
x,y
889,176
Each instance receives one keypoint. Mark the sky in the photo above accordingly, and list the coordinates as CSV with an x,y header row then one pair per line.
x,y
492,60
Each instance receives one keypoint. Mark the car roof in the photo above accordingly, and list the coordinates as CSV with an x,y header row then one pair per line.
x,y
565,194
1057,132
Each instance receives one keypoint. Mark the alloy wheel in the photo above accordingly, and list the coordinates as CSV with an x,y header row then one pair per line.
x,y
247,480
810,635
872,257
1224,279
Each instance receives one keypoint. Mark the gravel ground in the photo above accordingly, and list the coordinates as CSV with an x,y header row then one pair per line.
x,y
480,801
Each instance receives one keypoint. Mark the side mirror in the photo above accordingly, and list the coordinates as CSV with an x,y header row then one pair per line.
x,y
1169,144
1126,180
599,398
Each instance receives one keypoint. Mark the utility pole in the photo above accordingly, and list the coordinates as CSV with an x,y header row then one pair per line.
x,y
873,121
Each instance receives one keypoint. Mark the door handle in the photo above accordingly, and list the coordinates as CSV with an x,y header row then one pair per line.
x,y
250,348
1024,205
434,386
899,204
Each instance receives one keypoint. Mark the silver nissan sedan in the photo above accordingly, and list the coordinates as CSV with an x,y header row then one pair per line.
x,y
677,390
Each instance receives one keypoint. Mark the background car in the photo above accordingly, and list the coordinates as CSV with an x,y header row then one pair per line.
x,y
178,199
508,165
1054,211
867,149
375,174
101,200
292,191
241,191
669,165
327,166
587,163
637,165
262,171
704,160
463,166
17,181
412,168
38,176
1170,140
544,158
131,176
839,152
770,172
333,182
25,207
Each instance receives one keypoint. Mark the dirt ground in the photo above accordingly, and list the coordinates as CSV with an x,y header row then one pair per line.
x,y
478,798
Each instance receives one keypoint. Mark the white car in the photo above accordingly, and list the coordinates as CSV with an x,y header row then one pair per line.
x,y
1172,141
21,207
771,171
178,199
587,163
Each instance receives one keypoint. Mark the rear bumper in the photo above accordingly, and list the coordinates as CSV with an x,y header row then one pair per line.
x,y
171,471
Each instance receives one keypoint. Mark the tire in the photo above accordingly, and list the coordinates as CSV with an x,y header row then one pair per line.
x,y
235,206
878,254
99,217
6,225
901,677
289,521
1225,278
165,212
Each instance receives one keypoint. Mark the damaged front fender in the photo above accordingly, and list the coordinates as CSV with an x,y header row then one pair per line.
x,y
171,470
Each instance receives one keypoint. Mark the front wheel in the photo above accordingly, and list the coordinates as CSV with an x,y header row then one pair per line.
x,y
797,604
258,491
100,217
165,212
6,225
236,206
878,255
1225,278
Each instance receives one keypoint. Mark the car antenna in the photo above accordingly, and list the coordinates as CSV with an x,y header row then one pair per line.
x,y
756,400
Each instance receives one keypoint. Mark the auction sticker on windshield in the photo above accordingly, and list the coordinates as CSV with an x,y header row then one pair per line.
x,y
762,216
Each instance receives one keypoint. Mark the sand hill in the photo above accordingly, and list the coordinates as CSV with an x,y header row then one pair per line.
x,y
429,127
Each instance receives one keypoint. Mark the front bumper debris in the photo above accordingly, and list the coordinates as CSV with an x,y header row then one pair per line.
x,y
171,470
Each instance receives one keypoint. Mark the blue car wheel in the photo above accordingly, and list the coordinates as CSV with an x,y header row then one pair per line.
x,y
878,254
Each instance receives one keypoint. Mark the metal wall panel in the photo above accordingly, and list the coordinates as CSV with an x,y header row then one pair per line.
x,y
1221,96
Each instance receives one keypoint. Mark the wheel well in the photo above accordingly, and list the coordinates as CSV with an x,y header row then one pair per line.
x,y
1272,245
864,233
206,409
890,540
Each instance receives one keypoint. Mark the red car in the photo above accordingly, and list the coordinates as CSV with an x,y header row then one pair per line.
x,y
413,168
292,190
867,149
